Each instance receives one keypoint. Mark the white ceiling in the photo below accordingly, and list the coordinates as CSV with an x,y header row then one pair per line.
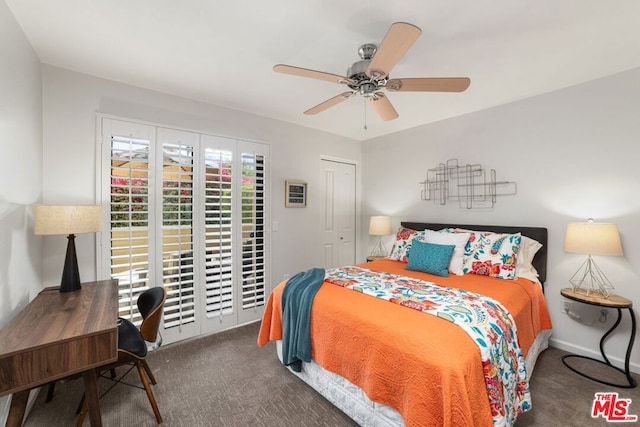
x,y
223,52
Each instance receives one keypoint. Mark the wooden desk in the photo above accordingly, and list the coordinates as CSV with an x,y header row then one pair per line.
x,y
57,335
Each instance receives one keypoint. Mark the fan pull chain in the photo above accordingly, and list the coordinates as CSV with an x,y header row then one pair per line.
x,y
365,112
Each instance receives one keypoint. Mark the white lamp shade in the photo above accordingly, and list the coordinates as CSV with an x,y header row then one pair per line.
x,y
67,219
593,238
380,225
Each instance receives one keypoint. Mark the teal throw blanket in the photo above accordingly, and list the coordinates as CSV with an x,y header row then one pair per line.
x,y
297,298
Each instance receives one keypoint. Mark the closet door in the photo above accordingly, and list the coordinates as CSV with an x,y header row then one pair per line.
x,y
338,213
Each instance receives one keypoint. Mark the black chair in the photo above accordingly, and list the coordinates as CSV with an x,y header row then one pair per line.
x,y
132,346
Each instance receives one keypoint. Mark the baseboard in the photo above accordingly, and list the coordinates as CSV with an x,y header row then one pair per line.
x,y
572,348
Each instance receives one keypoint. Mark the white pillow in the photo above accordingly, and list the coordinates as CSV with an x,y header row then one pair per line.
x,y
443,238
524,266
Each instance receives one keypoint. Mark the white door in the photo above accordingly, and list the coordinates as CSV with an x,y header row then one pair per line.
x,y
338,213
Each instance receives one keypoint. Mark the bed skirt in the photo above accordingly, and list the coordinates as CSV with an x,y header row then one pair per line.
x,y
353,401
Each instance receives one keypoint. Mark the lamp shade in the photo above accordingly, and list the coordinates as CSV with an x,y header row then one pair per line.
x,y
593,238
380,225
67,219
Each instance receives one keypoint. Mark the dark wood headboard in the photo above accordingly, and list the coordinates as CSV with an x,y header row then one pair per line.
x,y
536,233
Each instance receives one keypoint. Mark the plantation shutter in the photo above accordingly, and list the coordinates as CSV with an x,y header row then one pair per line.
x,y
178,234
129,221
253,230
218,214
186,211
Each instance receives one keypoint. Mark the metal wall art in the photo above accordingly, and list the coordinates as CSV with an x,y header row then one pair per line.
x,y
471,185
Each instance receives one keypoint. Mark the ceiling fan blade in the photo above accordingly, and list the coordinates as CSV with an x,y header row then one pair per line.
x,y
395,44
329,103
434,84
304,72
383,107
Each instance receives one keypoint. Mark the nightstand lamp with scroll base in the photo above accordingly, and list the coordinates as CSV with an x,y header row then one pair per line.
x,y
379,226
70,220
592,238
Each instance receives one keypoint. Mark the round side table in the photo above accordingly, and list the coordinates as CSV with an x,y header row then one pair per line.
x,y
613,301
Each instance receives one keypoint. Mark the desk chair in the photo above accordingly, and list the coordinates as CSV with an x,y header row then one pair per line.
x,y
132,346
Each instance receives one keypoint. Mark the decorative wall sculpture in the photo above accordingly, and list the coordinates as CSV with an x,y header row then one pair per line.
x,y
471,185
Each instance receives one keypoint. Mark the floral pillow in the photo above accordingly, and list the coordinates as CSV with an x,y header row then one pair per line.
x,y
491,254
401,247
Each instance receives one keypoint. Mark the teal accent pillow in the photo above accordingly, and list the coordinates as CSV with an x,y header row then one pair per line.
x,y
430,258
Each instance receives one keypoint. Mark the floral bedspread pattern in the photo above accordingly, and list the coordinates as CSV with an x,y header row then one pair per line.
x,y
484,319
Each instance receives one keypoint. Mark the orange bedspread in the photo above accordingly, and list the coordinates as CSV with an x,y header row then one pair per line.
x,y
425,367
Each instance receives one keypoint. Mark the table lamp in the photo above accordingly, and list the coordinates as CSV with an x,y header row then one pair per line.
x,y
592,238
379,226
70,220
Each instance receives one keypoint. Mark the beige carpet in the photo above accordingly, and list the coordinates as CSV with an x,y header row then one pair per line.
x,y
226,380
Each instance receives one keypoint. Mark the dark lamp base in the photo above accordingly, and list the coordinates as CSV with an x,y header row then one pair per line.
x,y
70,275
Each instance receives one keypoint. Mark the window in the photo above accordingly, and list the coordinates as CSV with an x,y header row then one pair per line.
x,y
186,211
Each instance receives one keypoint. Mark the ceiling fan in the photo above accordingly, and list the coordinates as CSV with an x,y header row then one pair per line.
x,y
370,75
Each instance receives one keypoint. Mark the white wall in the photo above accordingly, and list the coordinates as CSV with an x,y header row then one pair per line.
x,y
20,174
573,154
70,103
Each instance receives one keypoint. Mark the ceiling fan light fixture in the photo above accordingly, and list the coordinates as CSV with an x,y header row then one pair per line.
x,y
370,74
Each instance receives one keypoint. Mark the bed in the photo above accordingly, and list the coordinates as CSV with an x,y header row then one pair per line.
x,y
387,365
